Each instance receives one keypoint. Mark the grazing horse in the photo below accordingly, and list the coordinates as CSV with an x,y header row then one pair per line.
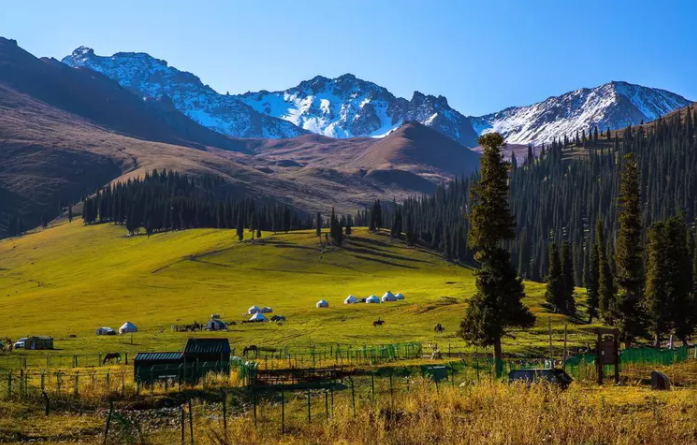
x,y
251,348
378,322
439,328
112,356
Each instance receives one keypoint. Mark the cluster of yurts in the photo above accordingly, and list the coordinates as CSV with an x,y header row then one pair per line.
x,y
257,312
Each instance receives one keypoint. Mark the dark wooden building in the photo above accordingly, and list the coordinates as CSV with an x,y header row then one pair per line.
x,y
151,366
207,350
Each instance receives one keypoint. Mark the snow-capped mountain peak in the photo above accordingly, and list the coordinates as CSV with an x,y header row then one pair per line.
x,y
348,106
147,76
613,105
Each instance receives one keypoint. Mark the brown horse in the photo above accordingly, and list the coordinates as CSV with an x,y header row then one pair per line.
x,y
250,348
378,323
439,329
112,356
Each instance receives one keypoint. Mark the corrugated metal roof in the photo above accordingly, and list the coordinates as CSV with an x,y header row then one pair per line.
x,y
158,356
207,346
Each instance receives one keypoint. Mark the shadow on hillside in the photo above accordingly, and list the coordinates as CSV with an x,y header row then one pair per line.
x,y
381,253
371,242
388,263
293,246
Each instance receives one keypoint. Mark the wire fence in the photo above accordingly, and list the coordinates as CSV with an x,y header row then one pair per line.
x,y
296,356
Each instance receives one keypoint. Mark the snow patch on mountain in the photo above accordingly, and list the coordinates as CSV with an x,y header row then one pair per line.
x,y
347,107
614,105
149,77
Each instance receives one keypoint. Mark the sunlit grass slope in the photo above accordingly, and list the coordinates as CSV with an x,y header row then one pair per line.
x,y
71,279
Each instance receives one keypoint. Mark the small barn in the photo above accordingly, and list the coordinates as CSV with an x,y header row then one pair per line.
x,y
38,342
372,299
209,355
322,304
258,318
254,310
216,325
388,296
128,328
266,310
350,300
399,296
151,366
105,331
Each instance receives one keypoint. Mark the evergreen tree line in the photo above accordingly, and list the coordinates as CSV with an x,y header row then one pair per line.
x,y
168,200
559,197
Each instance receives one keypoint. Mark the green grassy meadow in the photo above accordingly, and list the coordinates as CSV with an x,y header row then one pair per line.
x,y
71,279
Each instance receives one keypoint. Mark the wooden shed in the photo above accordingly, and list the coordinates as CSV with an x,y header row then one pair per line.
x,y
209,354
151,366
38,342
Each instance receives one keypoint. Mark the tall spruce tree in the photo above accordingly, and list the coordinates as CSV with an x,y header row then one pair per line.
x,y
318,225
567,266
497,305
556,288
592,284
606,287
629,274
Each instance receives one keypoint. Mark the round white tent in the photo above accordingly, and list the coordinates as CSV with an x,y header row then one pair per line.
x,y
350,300
258,317
128,328
253,310
389,296
322,303
266,310
399,296
372,299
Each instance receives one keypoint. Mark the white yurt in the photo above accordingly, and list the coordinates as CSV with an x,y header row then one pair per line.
x,y
258,318
253,310
128,328
350,300
372,299
266,310
322,303
389,296
105,331
399,296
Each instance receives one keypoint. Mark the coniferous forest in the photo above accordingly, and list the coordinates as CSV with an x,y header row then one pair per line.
x,y
560,196
169,201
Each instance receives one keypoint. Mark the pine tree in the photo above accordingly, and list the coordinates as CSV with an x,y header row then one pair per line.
x,y
497,305
70,213
606,287
240,226
629,275
592,284
567,265
556,288
318,225
348,226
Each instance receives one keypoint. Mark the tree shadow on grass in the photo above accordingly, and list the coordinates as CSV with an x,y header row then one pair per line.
x,y
381,253
371,242
388,263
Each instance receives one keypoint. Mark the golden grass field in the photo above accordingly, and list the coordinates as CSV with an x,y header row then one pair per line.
x,y
71,279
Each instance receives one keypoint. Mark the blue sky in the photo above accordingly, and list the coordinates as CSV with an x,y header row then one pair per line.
x,y
482,55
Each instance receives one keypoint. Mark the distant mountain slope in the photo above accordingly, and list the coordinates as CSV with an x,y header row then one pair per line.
x,y
150,77
343,107
614,105
349,107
